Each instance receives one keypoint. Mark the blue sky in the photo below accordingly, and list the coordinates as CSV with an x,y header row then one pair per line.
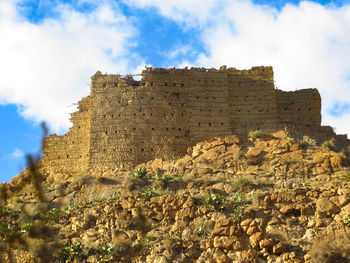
x,y
50,48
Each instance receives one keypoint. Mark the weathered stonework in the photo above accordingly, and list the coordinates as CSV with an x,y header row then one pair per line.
x,y
126,122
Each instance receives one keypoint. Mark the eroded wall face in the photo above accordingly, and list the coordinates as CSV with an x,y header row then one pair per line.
x,y
69,153
207,107
133,124
300,108
126,122
170,110
252,101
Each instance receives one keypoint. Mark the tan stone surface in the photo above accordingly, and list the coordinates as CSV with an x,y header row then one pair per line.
x,y
126,122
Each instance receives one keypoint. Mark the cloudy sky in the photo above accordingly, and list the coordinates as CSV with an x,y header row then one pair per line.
x,y
50,48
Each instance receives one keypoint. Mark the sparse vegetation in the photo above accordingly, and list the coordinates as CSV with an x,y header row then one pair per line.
x,y
330,251
139,173
77,251
346,220
293,161
162,180
239,204
149,192
256,134
50,215
94,202
115,195
242,184
151,239
104,253
206,205
346,177
202,230
71,252
329,144
215,200
17,200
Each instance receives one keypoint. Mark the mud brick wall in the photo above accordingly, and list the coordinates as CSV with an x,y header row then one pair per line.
x,y
125,122
252,100
301,107
69,153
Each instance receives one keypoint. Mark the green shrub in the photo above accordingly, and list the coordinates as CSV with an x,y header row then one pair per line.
x,y
139,173
240,204
95,201
330,144
149,192
151,239
72,207
49,215
17,200
25,227
7,230
70,252
104,252
256,134
115,195
202,230
215,200
163,180
346,220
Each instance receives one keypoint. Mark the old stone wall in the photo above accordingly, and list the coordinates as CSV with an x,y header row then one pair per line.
x,y
252,101
70,153
125,122
302,107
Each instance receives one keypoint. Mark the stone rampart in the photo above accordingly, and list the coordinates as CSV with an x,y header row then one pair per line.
x,y
125,122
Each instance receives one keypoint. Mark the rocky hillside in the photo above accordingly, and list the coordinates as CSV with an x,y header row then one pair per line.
x,y
269,198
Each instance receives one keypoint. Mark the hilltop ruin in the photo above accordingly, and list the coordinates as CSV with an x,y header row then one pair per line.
x,y
124,122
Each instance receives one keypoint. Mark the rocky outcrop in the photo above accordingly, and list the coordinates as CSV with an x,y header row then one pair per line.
x,y
230,199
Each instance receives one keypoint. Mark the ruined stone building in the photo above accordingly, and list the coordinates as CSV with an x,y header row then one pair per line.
x,y
126,122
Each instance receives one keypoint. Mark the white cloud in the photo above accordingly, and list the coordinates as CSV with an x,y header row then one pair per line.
x,y
17,153
189,12
308,45
182,50
47,66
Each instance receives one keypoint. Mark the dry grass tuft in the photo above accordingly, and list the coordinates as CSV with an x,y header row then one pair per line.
x,y
330,251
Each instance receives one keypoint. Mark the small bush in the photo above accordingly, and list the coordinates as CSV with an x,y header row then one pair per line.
x,y
70,252
330,144
95,201
162,180
216,200
256,134
151,239
242,183
202,230
104,252
49,215
115,195
346,177
25,227
346,220
293,161
149,192
330,251
5,210
17,200
139,173
240,204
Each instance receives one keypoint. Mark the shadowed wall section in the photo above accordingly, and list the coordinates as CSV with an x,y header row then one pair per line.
x,y
125,122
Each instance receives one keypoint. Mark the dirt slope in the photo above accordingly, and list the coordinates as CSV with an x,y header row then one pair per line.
x,y
267,199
